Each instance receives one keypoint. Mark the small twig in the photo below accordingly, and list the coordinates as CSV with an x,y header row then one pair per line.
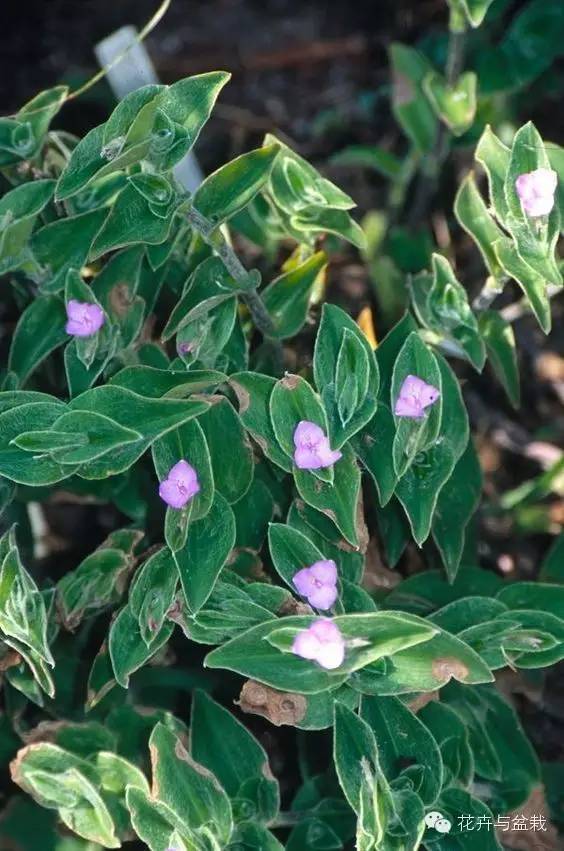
x,y
429,176
212,234
489,292
519,308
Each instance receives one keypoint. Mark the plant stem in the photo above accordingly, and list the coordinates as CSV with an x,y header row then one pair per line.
x,y
491,289
430,173
211,233
289,819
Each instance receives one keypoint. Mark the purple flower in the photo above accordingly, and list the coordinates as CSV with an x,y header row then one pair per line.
x,y
415,395
536,191
84,318
312,447
180,485
322,642
318,583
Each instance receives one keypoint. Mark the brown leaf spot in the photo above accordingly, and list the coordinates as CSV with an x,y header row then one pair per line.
x,y
290,382
448,667
120,299
361,527
422,700
279,707
243,396
9,659
402,89
291,606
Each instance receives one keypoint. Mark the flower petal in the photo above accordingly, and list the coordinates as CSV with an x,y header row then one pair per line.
x,y
331,655
307,459
304,581
323,597
325,571
306,645
307,433
171,494
326,455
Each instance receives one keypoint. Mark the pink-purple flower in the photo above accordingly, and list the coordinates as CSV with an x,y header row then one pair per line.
x,y
536,191
321,642
83,318
414,397
318,583
312,447
180,485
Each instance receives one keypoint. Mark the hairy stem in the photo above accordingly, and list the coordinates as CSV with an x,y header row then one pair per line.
x,y
211,233
429,177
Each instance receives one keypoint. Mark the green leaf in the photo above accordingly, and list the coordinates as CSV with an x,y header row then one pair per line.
x,y
99,435
125,118
133,219
128,651
355,754
291,551
419,488
293,400
457,502
533,285
226,748
450,314
59,780
40,330
512,766
208,544
254,653
208,286
338,500
346,374
190,791
186,443
18,465
230,450
322,532
98,582
19,209
309,223
476,10
152,593
151,417
297,186
473,215
189,102
406,748
454,105
409,104
173,384
414,436
287,297
534,242
451,735
493,156
65,244
253,392
500,344
23,616
229,189
373,446
427,668
152,821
